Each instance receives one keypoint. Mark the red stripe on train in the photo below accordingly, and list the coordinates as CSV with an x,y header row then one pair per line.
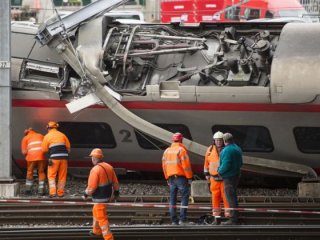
x,y
137,166
257,107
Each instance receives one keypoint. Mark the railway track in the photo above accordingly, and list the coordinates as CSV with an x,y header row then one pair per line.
x,y
169,233
59,213
165,199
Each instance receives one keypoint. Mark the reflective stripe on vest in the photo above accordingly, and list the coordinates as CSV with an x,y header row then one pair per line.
x,y
31,148
34,149
58,151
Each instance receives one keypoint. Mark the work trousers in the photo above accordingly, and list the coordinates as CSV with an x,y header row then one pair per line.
x,y
218,194
41,166
101,222
180,184
58,167
230,188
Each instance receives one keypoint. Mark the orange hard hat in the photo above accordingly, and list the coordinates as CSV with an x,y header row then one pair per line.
x,y
177,137
26,131
52,124
97,153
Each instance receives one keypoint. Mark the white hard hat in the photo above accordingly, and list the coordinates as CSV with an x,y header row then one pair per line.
x,y
218,135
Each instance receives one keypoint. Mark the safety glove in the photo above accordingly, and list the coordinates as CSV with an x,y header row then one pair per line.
x,y
50,163
84,196
116,195
217,177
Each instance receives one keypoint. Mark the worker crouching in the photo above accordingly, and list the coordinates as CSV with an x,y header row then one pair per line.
x,y
31,148
103,186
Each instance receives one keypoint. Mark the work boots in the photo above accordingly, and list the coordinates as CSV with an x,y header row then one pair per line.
x,y
29,184
217,220
91,233
41,191
230,222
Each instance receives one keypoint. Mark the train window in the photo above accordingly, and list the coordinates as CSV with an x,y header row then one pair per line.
x,y
249,138
233,13
307,139
269,14
150,143
251,13
88,134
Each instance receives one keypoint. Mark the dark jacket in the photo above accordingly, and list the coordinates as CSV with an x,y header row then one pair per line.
x,y
230,161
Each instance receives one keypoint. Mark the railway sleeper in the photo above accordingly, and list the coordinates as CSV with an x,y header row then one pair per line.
x,y
147,220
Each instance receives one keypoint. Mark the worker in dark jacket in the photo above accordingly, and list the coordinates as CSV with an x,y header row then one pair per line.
x,y
58,147
31,148
178,173
103,186
229,170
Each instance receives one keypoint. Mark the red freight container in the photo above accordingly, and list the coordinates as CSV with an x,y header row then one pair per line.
x,y
187,18
178,11
189,11
177,6
241,10
205,9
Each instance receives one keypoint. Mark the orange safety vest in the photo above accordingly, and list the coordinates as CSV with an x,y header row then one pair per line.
x,y
175,161
101,182
212,161
57,144
211,165
31,146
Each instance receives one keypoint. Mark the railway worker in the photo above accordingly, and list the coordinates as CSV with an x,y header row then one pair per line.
x,y
178,173
211,164
31,149
229,170
58,147
103,186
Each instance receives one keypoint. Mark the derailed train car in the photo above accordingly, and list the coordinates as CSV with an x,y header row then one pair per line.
x,y
255,80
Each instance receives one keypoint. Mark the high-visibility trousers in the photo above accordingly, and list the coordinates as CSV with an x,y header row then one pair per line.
x,y
60,168
101,222
217,192
41,166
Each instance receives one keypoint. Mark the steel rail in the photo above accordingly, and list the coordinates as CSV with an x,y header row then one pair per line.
x,y
38,214
170,232
203,199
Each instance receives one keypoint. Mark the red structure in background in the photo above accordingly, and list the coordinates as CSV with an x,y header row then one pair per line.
x,y
192,11
205,9
178,11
